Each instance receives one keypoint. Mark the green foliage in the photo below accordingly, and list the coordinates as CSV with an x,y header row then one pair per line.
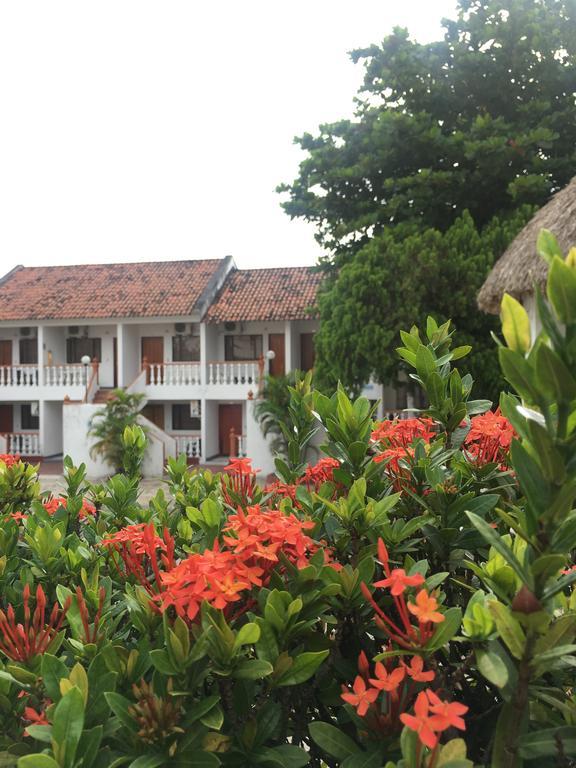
x,y
108,426
452,146
318,621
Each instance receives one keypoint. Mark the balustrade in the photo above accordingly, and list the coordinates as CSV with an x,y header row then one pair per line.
x,y
18,375
64,375
173,374
24,443
233,372
191,445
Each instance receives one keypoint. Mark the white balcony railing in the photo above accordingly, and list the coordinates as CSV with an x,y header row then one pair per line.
x,y
64,375
191,445
18,376
173,374
24,443
226,372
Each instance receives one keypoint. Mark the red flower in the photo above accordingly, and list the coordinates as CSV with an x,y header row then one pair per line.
x,y
362,698
415,670
239,486
446,714
138,547
387,681
53,505
421,721
398,581
35,718
400,433
9,459
322,472
21,642
489,439
425,608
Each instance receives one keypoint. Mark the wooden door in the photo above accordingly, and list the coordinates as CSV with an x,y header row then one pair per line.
x,y
6,418
5,352
276,343
154,412
152,351
306,351
229,417
28,351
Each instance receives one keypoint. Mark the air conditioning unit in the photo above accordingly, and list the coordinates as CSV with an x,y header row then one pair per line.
x,y
73,330
180,327
230,326
26,331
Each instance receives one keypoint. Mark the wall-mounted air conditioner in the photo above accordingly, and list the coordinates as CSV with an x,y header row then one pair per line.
x,y
180,328
73,330
230,326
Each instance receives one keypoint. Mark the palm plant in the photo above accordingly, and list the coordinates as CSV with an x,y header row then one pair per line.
x,y
272,409
108,425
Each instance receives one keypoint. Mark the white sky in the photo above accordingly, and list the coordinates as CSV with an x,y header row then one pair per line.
x,y
133,130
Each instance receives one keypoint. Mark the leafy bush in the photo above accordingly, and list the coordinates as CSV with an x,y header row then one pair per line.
x,y
406,602
108,426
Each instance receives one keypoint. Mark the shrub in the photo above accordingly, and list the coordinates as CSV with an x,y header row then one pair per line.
x,y
406,602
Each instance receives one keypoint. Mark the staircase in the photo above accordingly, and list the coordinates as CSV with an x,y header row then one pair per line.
x,y
102,395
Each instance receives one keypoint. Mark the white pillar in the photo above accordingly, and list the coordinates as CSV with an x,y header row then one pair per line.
x,y
289,363
203,418
203,367
40,341
120,352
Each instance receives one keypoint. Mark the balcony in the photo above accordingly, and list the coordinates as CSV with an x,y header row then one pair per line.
x,y
26,381
23,443
190,445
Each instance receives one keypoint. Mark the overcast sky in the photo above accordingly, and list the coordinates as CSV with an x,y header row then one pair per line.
x,y
133,130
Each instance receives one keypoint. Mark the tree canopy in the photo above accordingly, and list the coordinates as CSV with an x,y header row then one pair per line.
x,y
482,121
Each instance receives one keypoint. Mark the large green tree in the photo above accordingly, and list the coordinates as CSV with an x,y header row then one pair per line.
x,y
482,121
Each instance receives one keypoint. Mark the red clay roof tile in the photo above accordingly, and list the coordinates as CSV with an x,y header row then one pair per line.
x,y
151,289
286,293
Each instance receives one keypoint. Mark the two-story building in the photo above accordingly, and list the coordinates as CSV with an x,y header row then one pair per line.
x,y
194,337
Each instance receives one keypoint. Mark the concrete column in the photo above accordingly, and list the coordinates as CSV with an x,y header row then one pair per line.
x,y
120,352
288,346
203,368
40,340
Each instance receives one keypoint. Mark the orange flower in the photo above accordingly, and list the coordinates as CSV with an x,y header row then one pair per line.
x,y
425,608
421,722
362,698
387,681
416,670
446,714
398,580
489,438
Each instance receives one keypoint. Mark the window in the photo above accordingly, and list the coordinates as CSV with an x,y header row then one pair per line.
x,y
76,348
182,420
28,351
307,353
185,349
243,347
29,420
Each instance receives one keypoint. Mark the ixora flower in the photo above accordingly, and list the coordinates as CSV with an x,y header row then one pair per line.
x,y
138,546
489,438
9,459
415,670
361,697
239,485
400,433
53,505
432,716
401,630
23,641
385,680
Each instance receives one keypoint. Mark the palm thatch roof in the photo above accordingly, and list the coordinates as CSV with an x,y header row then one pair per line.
x,y
520,267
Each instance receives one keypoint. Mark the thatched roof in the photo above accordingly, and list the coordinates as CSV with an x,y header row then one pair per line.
x,y
520,267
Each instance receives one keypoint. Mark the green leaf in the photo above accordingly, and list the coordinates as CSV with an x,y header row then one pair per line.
x,y
519,373
545,743
253,669
547,245
37,761
490,535
553,376
248,634
445,631
148,761
509,628
304,666
491,666
363,760
68,723
561,290
332,740
119,705
515,324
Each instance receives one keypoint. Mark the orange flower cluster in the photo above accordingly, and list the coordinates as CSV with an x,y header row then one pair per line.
x,y
424,608
396,437
395,681
432,716
53,505
239,485
9,459
254,539
22,641
313,478
137,546
489,439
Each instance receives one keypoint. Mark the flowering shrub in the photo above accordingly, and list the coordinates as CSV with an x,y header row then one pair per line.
x,y
406,602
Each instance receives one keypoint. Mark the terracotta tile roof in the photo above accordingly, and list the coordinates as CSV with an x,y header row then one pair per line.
x,y
150,289
266,294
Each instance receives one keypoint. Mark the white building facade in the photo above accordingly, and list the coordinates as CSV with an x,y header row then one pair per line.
x,y
195,338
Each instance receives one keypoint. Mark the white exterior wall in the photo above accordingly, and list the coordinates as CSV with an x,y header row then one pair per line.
x,y
257,446
129,346
209,429
51,433
76,444
54,344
